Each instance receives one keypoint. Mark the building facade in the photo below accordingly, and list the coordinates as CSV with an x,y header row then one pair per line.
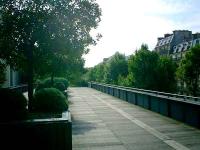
x,y
177,43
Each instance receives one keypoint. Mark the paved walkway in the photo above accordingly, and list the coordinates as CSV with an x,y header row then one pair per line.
x,y
103,122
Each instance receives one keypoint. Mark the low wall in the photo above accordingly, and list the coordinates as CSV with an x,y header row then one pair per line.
x,y
50,134
182,108
20,88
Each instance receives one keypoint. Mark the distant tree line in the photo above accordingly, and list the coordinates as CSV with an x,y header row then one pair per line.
x,y
148,70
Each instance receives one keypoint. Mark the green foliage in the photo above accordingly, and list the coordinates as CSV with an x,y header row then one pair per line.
x,y
62,80
44,27
60,86
49,100
165,79
143,68
115,67
81,83
2,73
109,70
150,71
125,81
59,83
13,105
189,70
46,37
96,73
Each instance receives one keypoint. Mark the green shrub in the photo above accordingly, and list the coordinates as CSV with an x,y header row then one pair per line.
x,y
49,100
13,105
47,82
62,80
60,86
82,83
39,86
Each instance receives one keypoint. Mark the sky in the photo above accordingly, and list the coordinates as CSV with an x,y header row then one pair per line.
x,y
126,24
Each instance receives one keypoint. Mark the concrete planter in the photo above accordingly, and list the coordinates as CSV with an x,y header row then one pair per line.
x,y
47,133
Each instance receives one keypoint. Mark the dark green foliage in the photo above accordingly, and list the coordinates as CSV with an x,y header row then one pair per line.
x,y
40,85
47,82
60,86
165,79
116,66
62,80
144,69
49,100
81,83
13,105
189,71
47,37
2,73
150,71
125,81
59,83
142,66
110,70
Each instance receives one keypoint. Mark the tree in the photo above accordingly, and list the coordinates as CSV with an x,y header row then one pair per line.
x,y
148,70
100,71
165,79
41,33
116,66
142,67
189,70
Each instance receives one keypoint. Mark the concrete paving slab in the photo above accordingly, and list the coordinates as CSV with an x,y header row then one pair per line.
x,y
103,122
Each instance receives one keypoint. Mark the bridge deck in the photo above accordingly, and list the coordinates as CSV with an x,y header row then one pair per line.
x,y
103,122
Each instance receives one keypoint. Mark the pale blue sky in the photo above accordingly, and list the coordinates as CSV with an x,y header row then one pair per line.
x,y
126,24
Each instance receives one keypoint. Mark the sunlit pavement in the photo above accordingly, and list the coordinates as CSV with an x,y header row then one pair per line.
x,y
103,122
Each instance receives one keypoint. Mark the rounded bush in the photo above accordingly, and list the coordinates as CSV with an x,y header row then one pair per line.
x,y
40,86
47,82
62,80
49,100
13,105
60,86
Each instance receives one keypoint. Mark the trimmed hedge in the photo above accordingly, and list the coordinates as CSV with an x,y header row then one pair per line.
x,y
49,100
60,86
13,105
59,83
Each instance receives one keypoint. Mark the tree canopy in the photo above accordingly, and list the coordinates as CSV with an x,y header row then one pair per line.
x,y
58,29
38,35
189,70
144,69
115,67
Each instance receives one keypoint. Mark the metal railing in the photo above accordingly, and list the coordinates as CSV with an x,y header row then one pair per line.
x,y
180,107
154,93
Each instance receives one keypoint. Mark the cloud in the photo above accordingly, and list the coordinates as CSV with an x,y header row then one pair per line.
x,y
129,23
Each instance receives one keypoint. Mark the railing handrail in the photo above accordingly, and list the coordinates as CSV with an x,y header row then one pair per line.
x,y
171,95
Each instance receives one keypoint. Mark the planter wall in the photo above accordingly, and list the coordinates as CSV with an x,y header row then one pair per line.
x,y
49,134
181,109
